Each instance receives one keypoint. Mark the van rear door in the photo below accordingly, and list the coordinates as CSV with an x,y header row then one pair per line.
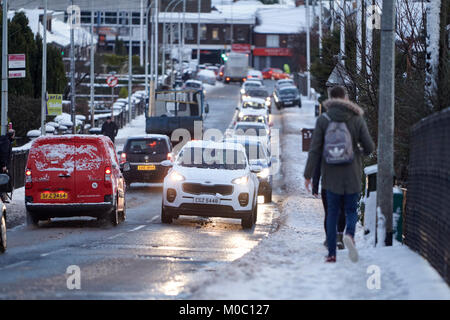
x,y
52,165
90,170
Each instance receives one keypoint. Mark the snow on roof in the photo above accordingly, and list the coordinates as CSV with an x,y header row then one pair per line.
x,y
60,33
214,145
281,20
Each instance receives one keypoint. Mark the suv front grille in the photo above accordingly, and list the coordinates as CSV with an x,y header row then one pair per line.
x,y
198,188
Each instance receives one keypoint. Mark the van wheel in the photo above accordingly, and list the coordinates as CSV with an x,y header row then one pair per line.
x,y
2,234
247,223
255,212
165,218
123,213
114,215
32,219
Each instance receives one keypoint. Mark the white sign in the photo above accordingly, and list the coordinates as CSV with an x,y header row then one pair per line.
x,y
112,81
16,61
15,74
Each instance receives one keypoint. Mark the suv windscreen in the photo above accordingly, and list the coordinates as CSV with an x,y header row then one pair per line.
x,y
289,92
255,151
253,105
210,158
193,85
249,130
147,146
257,93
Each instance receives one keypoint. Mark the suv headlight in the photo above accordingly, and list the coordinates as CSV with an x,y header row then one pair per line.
x,y
175,176
264,173
241,180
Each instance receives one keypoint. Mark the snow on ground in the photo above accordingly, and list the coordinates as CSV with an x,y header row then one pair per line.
x,y
289,263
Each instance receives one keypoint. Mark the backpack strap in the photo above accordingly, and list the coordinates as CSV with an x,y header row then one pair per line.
x,y
327,116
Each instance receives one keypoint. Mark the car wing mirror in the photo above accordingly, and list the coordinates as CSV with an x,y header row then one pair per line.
x,y
255,169
207,108
167,163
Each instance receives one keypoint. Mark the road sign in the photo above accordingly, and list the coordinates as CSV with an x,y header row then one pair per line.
x,y
112,81
54,104
15,74
16,61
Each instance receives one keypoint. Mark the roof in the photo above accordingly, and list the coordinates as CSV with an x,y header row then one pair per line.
x,y
244,140
148,136
252,112
83,4
253,99
250,124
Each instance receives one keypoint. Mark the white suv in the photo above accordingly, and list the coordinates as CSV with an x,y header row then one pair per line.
x,y
211,179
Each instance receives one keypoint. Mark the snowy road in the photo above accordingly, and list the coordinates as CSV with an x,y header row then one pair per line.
x,y
141,258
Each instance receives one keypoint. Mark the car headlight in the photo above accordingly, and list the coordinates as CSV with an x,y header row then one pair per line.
x,y
268,102
175,176
264,173
241,180
242,91
241,114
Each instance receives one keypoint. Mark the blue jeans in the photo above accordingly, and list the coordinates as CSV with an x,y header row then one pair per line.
x,y
334,208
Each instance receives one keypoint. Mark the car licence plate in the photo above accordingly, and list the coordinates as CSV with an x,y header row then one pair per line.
x,y
206,200
54,196
288,102
147,168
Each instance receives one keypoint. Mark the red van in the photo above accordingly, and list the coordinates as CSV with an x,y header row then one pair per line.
x,y
74,175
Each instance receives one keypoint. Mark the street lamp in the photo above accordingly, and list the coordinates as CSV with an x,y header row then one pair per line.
x,y
164,33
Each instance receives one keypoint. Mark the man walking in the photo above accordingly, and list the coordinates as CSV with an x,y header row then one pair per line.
x,y
110,129
341,138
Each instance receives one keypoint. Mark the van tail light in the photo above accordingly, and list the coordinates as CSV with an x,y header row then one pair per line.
x,y
108,174
244,79
28,179
170,156
123,157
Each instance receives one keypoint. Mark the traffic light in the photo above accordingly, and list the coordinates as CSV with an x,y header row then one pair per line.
x,y
224,57
62,53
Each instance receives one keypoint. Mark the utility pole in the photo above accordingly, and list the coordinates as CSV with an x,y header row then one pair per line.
x,y
92,68
156,45
72,70
130,64
44,73
386,117
358,35
369,11
4,123
199,3
332,14
308,50
141,38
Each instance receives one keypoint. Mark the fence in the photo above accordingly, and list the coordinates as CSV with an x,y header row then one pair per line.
x,y
19,157
427,220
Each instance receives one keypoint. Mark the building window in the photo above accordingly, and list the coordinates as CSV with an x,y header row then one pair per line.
x,y
228,33
136,18
241,34
110,17
215,34
189,32
273,41
123,18
203,32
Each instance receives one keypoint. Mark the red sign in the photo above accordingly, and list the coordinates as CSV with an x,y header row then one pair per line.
x,y
241,47
16,61
273,52
112,81
17,74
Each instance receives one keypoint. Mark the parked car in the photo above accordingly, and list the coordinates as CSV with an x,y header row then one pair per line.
x,y
144,155
284,82
254,74
287,96
74,175
207,76
211,179
257,155
274,74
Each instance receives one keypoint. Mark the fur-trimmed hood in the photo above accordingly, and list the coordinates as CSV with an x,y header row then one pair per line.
x,y
341,109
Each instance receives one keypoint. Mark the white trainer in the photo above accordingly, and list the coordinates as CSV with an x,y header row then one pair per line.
x,y
350,245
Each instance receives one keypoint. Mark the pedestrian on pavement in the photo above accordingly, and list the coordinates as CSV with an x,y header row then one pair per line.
x,y
341,138
110,129
323,195
6,143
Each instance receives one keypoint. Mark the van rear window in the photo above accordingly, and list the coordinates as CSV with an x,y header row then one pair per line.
x,y
53,157
148,146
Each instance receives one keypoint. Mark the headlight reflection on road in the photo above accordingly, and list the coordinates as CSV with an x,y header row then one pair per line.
x,y
174,286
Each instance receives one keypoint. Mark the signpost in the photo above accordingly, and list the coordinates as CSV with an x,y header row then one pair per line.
x,y
16,61
112,82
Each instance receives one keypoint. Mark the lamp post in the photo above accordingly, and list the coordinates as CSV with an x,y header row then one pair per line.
x,y
165,36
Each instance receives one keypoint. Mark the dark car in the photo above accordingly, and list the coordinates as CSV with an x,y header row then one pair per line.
x,y
287,96
145,154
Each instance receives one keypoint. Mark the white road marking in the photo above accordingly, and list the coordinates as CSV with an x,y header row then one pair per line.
x,y
14,265
115,236
154,219
52,252
137,228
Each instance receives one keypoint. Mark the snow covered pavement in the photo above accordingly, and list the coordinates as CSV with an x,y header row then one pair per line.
x,y
289,263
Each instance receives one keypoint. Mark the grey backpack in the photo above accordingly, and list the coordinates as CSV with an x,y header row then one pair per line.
x,y
338,143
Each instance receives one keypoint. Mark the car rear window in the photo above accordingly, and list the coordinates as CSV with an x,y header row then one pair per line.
x,y
253,105
148,146
249,130
257,93
193,85
255,151
289,91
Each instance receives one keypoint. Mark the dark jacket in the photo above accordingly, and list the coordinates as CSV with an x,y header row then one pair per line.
x,y
316,177
340,179
5,151
110,129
